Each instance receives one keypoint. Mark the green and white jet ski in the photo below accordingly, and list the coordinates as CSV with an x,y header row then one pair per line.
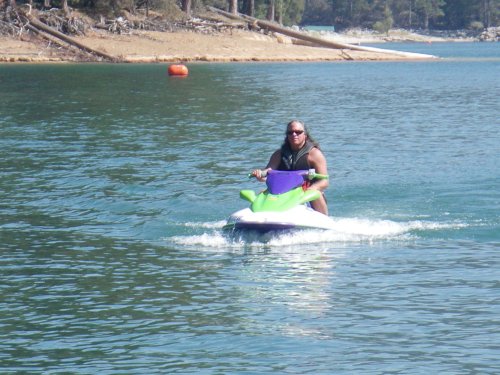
x,y
283,206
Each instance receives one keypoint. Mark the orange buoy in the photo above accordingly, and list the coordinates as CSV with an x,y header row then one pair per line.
x,y
177,70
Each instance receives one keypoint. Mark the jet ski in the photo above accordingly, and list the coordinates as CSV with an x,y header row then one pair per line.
x,y
283,206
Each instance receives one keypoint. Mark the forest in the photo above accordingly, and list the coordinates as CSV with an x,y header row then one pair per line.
x,y
408,14
380,15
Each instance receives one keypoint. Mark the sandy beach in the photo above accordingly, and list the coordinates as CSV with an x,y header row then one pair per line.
x,y
141,46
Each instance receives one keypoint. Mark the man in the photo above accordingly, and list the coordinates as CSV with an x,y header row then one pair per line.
x,y
299,151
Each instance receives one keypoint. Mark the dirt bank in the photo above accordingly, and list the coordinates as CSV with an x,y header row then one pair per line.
x,y
231,44
156,46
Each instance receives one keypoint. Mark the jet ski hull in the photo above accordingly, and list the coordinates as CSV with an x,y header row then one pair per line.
x,y
297,218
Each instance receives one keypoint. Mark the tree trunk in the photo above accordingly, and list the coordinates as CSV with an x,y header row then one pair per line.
x,y
318,41
486,13
36,24
65,7
409,16
270,11
233,6
280,12
186,7
251,8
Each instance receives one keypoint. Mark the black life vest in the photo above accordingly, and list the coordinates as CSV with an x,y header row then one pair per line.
x,y
295,161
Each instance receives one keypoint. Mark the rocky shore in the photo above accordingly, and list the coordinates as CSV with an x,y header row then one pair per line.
x,y
491,34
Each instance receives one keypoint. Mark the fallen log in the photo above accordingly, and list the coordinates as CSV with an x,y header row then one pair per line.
x,y
317,41
35,23
50,38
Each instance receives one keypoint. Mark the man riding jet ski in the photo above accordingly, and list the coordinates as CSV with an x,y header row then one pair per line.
x,y
295,177
300,151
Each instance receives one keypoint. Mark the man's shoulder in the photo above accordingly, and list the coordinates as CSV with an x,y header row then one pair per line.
x,y
316,154
315,151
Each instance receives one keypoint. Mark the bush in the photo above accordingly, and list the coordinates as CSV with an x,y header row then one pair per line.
x,y
381,27
476,26
111,8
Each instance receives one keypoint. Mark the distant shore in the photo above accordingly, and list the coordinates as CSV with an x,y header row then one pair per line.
x,y
139,46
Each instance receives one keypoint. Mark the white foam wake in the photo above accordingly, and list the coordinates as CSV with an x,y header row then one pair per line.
x,y
344,230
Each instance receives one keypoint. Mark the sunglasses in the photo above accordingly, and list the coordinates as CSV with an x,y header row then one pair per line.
x,y
291,132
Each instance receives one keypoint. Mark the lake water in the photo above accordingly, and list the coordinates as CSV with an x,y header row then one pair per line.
x,y
115,181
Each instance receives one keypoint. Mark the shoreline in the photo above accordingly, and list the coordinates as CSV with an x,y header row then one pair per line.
x,y
235,45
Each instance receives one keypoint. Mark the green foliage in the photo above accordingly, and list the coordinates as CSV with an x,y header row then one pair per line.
x,y
112,8
460,13
379,27
379,14
351,13
437,14
476,25
318,12
261,7
170,7
292,11
220,4
385,24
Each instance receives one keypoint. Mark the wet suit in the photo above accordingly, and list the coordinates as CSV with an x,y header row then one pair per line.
x,y
295,161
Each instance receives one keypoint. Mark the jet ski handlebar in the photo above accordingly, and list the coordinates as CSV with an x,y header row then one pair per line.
x,y
308,174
